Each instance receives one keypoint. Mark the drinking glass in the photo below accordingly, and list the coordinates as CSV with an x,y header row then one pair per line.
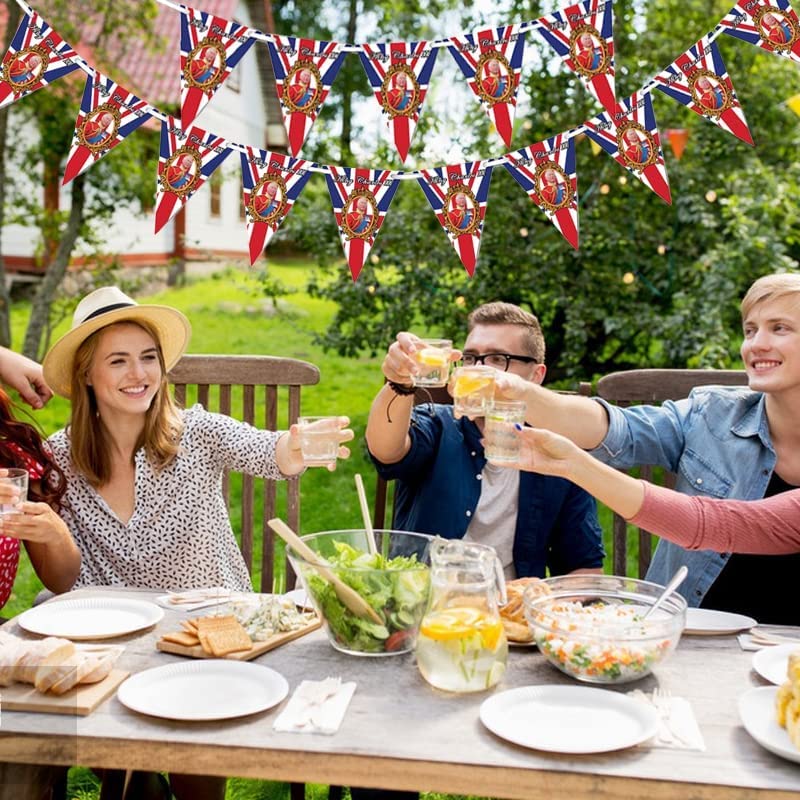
x,y
433,357
18,478
319,440
501,442
473,390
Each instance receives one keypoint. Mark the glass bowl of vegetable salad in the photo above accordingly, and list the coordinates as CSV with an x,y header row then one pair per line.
x,y
592,626
395,582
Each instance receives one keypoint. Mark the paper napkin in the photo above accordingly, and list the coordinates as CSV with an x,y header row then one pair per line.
x,y
678,728
316,707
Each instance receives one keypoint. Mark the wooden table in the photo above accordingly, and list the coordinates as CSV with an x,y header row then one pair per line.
x,y
399,733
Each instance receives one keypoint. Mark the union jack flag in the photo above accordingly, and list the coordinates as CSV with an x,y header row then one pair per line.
x,y
546,171
360,200
769,24
630,135
458,195
272,182
304,72
583,35
211,47
37,57
186,161
108,114
491,61
700,81
399,73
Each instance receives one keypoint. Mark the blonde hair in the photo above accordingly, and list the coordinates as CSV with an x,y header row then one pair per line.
x,y
770,287
89,440
499,313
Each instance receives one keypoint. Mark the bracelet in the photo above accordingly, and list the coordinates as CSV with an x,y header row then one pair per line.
x,y
399,388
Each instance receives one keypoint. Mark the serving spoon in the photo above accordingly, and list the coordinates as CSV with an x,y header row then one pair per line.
x,y
676,580
348,596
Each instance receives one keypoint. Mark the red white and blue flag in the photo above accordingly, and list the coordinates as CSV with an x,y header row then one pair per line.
x,y
304,72
399,73
769,24
583,35
108,114
272,182
546,171
360,198
700,81
458,195
211,47
36,57
630,135
186,161
491,61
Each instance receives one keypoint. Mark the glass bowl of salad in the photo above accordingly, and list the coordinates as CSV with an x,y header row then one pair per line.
x,y
395,582
592,626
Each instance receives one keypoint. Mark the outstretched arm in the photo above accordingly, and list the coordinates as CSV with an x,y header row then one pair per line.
x,y
25,376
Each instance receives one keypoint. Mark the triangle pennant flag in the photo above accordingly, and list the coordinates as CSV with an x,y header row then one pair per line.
x,y
211,47
546,171
458,195
36,57
491,61
700,81
272,182
399,73
769,24
187,159
631,137
304,72
108,114
583,35
360,200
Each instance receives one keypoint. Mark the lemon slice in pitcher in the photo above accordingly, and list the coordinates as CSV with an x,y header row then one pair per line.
x,y
467,384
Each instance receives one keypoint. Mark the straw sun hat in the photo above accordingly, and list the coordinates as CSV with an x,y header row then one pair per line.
x,y
104,307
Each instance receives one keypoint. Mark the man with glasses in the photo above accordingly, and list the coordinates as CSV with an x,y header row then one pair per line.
x,y
444,484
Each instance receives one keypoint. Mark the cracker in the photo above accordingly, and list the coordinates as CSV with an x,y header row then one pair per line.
x,y
190,626
228,640
215,623
184,638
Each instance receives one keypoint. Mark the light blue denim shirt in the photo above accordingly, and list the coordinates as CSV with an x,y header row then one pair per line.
x,y
716,441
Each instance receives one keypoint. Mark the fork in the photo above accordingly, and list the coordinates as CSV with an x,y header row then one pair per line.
x,y
662,700
763,637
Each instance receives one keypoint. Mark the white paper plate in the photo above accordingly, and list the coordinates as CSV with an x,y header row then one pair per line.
x,y
757,712
706,621
771,662
90,617
204,690
569,719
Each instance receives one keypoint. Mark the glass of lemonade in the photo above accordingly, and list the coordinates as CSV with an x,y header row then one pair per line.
x,y
19,478
501,442
433,357
319,440
473,390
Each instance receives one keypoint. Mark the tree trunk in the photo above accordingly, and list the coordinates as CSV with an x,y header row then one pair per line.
x,y
347,97
56,269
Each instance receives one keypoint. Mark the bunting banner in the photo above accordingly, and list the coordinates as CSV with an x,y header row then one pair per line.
x,y
771,25
546,171
631,137
360,198
458,195
304,72
399,73
700,81
186,161
272,182
108,114
36,57
583,35
491,61
211,47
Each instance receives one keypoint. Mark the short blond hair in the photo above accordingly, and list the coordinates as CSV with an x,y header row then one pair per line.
x,y
770,287
499,313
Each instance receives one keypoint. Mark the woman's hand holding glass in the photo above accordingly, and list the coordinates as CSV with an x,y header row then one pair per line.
x,y
32,522
317,442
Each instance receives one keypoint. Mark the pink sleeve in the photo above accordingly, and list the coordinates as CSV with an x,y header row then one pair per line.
x,y
766,527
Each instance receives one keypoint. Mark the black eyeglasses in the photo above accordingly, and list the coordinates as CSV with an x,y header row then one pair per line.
x,y
496,360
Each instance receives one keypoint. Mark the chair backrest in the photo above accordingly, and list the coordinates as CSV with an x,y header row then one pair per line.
x,y
237,379
653,386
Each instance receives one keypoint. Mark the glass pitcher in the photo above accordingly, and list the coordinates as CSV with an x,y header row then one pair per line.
x,y
461,645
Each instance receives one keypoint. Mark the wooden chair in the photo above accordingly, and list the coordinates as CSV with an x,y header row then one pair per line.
x,y
217,381
652,386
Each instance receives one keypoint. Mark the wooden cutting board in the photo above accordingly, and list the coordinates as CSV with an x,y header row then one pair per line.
x,y
196,651
80,700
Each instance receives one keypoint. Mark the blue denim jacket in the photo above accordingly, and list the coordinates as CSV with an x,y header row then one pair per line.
x,y
716,441
439,485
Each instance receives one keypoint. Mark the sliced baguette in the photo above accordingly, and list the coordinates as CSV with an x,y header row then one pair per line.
x,y
59,665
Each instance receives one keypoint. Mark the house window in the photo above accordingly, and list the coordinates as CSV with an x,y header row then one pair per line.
x,y
216,194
